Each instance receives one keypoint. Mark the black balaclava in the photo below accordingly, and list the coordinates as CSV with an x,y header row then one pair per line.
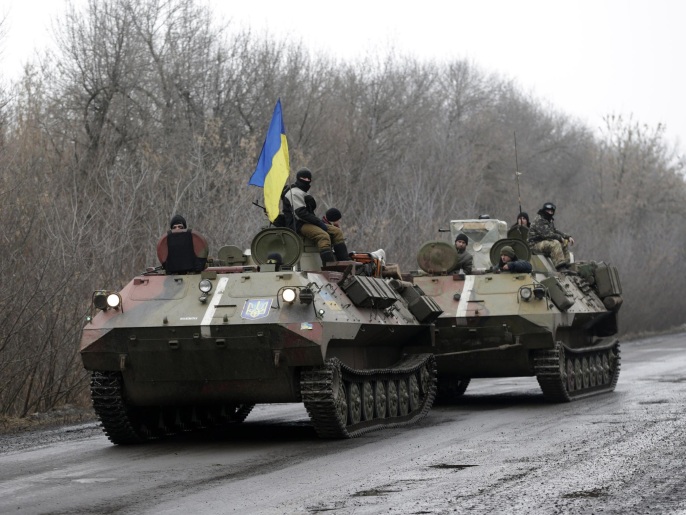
x,y
177,219
303,179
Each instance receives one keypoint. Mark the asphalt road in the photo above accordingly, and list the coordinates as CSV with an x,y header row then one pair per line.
x,y
503,450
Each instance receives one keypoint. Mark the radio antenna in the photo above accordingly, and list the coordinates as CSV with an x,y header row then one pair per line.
x,y
517,174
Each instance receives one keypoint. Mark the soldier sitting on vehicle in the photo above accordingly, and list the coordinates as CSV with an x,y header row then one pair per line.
x,y
298,210
545,239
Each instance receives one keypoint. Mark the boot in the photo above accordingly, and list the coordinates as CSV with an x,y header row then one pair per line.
x,y
562,266
341,252
327,257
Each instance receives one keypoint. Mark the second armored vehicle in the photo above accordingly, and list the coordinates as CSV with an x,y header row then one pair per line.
x,y
556,326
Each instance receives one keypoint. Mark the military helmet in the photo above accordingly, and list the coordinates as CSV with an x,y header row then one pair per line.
x,y
548,205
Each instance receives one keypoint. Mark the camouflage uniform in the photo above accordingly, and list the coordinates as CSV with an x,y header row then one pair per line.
x,y
545,239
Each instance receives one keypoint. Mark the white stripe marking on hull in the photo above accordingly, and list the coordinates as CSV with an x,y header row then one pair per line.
x,y
209,314
465,296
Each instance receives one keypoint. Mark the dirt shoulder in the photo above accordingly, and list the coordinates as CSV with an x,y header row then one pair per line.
x,y
63,416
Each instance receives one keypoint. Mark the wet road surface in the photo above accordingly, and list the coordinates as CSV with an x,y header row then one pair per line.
x,y
502,450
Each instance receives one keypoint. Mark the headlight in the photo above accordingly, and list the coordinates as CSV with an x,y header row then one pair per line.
x,y
205,286
288,295
539,291
104,300
113,300
525,293
100,300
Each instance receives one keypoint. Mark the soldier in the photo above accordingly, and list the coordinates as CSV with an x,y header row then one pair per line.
x,y
520,230
546,239
298,210
510,263
332,217
178,222
185,250
465,261
522,219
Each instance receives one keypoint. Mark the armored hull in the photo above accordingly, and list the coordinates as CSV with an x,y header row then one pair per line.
x,y
191,350
556,326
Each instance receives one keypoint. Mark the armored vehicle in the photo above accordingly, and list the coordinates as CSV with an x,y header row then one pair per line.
x,y
187,346
556,326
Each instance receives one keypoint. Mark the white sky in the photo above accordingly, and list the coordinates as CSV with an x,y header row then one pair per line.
x,y
587,58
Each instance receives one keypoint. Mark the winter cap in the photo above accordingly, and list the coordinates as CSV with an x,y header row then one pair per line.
x,y
333,215
304,174
507,251
462,237
524,215
177,219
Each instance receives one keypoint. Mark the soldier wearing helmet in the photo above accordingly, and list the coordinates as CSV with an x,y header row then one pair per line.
x,y
546,239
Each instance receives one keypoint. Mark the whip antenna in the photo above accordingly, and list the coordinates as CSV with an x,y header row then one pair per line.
x,y
517,174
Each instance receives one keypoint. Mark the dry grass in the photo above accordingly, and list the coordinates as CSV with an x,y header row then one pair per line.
x,y
65,415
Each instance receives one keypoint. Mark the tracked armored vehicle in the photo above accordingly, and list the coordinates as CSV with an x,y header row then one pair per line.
x,y
556,326
188,346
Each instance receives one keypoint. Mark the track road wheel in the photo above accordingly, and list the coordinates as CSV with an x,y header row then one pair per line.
x,y
367,401
380,399
403,398
392,399
413,392
354,403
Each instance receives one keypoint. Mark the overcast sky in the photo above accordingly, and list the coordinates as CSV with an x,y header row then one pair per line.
x,y
587,58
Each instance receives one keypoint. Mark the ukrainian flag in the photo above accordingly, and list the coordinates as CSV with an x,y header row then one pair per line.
x,y
273,166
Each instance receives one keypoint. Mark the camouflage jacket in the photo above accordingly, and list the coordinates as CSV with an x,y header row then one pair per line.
x,y
465,261
543,229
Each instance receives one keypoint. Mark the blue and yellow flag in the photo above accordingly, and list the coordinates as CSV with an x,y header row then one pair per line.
x,y
273,166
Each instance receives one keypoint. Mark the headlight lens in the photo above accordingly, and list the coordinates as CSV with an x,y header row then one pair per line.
x,y
288,295
525,293
113,300
205,286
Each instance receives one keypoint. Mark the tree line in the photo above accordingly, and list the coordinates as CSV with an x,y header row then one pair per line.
x,y
150,108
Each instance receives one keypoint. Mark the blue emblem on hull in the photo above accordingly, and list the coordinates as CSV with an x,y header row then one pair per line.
x,y
256,308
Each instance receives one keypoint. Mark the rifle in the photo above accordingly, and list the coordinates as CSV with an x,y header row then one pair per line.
x,y
256,203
